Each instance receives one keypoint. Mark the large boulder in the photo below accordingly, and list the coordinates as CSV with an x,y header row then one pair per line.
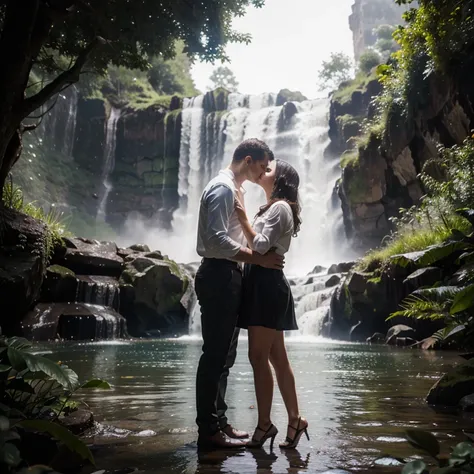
x,y
453,386
60,285
91,257
74,321
24,242
154,294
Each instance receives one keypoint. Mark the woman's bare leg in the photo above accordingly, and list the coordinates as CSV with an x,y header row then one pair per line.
x,y
260,343
286,382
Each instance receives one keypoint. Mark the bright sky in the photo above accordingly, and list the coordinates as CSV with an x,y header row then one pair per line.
x,y
290,39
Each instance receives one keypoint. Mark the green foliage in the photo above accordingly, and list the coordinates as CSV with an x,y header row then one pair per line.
x,y
368,60
451,175
334,71
53,219
459,461
349,158
34,393
452,304
140,89
344,93
449,181
134,32
224,77
384,32
414,236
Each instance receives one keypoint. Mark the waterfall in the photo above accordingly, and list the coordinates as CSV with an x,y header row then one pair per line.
x,y
58,126
109,158
70,125
98,290
297,133
301,141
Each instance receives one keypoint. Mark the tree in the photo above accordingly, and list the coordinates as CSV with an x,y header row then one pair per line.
x,y
335,70
63,38
368,60
385,43
224,77
172,76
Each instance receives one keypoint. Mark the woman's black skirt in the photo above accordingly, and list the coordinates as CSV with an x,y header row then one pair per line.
x,y
266,300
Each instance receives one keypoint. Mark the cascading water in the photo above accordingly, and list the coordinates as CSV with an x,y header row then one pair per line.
x,y
109,159
296,132
70,126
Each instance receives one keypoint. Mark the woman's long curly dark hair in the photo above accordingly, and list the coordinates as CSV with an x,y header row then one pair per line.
x,y
285,188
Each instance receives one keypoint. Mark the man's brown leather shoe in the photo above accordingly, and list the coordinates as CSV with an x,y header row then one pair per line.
x,y
231,432
219,440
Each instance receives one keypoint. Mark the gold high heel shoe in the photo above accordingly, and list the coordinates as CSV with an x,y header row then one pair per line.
x,y
291,443
258,443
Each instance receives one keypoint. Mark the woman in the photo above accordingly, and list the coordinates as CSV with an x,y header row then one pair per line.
x,y
267,306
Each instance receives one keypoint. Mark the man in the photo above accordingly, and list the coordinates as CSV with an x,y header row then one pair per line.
x,y
222,245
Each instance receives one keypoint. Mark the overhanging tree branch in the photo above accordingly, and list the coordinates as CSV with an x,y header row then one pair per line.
x,y
57,85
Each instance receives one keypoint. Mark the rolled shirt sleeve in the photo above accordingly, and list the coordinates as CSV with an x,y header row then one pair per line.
x,y
278,222
220,206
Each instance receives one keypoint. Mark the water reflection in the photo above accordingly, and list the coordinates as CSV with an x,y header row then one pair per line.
x,y
357,399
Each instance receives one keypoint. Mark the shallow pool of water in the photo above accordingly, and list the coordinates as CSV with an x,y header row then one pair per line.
x,y
358,400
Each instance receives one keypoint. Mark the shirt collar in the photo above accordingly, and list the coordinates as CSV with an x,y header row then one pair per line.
x,y
229,173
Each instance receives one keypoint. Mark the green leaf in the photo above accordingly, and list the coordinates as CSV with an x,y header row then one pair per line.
x,y
463,300
62,434
431,254
20,385
10,455
16,359
454,331
463,450
63,375
8,436
5,368
414,467
4,423
423,440
19,343
96,383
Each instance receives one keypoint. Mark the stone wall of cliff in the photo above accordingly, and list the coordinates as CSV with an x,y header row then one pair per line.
x,y
379,172
367,15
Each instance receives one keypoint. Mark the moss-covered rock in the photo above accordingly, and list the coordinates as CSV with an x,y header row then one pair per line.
x,y
22,266
285,95
216,100
453,386
60,285
151,291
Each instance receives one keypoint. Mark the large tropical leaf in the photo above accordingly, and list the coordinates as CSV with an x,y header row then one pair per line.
x,y
440,294
415,467
463,300
63,435
19,343
96,383
63,375
10,455
431,254
423,440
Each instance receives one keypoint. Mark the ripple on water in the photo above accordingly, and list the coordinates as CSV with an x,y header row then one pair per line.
x,y
357,405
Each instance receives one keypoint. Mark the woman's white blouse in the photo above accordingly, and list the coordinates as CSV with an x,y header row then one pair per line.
x,y
274,228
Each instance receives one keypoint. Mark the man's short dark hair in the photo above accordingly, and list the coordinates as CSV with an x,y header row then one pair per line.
x,y
254,148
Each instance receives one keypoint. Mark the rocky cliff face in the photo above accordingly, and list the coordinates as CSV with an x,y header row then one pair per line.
x,y
367,15
145,175
379,176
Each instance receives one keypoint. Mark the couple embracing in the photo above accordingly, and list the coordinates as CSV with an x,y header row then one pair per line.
x,y
258,298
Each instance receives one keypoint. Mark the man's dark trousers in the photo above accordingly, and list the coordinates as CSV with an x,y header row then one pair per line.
x,y
218,286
